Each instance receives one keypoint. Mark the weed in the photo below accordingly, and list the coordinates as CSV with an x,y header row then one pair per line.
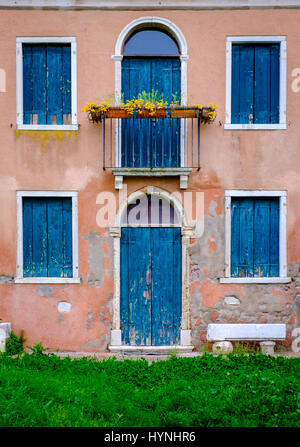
x,y
38,349
244,348
14,344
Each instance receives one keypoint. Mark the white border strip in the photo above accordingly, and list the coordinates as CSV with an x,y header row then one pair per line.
x,y
46,280
282,236
19,78
149,4
282,94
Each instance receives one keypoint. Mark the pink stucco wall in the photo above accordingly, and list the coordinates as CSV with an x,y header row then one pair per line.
x,y
71,161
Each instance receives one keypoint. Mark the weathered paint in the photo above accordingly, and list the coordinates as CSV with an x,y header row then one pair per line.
x,y
255,84
61,160
150,286
149,139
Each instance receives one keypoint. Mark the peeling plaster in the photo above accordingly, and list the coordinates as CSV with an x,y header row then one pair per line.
x,y
45,290
100,258
96,343
60,318
232,303
6,279
89,320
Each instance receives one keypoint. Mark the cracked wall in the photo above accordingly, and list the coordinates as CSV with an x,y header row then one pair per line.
x,y
213,302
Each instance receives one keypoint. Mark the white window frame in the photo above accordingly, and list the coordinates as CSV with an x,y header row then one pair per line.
x,y
282,83
282,278
47,280
19,55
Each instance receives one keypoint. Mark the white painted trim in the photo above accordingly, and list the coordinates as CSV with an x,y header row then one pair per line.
x,y
255,126
282,87
148,4
249,39
19,80
150,349
282,236
47,39
118,56
282,195
227,236
254,193
19,269
151,171
157,192
75,236
186,233
47,193
48,127
150,21
46,280
119,173
268,280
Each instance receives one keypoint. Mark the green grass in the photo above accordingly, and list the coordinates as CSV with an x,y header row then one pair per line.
x,y
247,390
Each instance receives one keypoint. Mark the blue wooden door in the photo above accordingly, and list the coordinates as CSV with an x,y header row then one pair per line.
x,y
150,286
147,142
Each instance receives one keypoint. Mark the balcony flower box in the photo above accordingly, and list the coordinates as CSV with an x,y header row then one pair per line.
x,y
98,112
184,112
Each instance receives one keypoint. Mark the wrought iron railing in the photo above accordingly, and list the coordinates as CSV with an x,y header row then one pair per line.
x,y
150,143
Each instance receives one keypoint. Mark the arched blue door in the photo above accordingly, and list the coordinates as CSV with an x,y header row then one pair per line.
x,y
148,66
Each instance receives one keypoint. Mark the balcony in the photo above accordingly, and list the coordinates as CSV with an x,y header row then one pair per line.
x,y
166,144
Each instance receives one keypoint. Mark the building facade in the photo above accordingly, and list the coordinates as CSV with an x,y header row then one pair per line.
x,y
136,234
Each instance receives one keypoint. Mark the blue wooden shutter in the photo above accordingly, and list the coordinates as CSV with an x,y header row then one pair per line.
x,y
136,134
254,237
165,78
46,83
34,237
255,83
47,237
166,278
135,303
242,84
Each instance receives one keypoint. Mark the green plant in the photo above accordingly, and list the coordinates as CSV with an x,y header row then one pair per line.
x,y
38,349
206,347
244,348
14,344
202,391
173,353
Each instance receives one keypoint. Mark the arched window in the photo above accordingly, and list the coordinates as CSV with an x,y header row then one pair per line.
x,y
150,210
150,42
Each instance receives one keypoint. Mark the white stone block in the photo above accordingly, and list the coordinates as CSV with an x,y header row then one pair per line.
x,y
267,347
185,337
232,301
2,340
115,337
222,347
219,332
5,330
63,306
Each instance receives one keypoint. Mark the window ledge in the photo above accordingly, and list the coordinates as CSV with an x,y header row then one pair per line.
x,y
47,127
43,280
268,280
281,126
182,172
